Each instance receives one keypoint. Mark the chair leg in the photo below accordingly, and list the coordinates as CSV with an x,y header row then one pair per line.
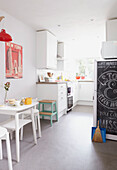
x,y
39,107
8,151
51,120
33,126
1,156
11,135
57,117
56,112
42,107
42,117
17,138
35,122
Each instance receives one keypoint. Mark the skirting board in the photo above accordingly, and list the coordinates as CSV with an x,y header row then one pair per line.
x,y
111,137
87,103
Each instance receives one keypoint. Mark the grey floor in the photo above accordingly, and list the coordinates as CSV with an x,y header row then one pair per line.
x,y
65,146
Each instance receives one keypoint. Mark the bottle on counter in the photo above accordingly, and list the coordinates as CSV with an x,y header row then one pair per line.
x,y
61,76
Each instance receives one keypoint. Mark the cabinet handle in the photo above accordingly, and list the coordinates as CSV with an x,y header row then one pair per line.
x,y
61,97
61,92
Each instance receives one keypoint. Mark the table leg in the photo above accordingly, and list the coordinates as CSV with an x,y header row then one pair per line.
x,y
33,125
39,126
17,137
22,129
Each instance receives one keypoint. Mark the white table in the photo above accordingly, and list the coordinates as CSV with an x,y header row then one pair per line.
x,y
16,111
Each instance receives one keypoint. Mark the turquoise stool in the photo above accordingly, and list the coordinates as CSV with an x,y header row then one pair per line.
x,y
48,113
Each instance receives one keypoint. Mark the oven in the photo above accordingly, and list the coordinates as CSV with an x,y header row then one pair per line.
x,y
69,103
69,96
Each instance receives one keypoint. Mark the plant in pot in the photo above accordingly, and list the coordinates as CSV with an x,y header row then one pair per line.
x,y
6,87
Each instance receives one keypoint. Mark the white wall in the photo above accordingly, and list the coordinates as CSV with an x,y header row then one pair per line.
x,y
25,36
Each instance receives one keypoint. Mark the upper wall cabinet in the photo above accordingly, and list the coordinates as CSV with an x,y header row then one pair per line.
x,y
111,30
46,50
60,50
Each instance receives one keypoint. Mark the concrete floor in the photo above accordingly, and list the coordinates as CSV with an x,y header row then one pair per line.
x,y
65,146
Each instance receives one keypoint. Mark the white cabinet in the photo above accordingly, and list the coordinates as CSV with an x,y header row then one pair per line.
x,y
60,50
111,30
62,98
86,91
46,50
56,92
75,93
60,64
60,56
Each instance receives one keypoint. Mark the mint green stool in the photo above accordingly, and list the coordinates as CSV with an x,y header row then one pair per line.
x,y
48,113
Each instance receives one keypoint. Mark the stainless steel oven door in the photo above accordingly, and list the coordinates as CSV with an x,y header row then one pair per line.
x,y
68,91
69,102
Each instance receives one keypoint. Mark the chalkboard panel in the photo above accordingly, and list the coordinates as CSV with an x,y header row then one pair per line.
x,y
107,95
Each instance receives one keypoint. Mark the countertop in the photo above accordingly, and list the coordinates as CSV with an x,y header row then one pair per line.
x,y
51,82
61,82
85,80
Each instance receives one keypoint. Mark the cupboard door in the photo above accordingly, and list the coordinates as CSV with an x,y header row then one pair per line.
x,y
51,51
86,90
46,50
41,49
75,92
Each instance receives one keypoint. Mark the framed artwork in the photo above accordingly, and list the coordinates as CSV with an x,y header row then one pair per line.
x,y
41,78
13,60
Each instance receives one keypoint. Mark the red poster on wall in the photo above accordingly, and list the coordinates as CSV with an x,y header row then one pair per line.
x,y
14,60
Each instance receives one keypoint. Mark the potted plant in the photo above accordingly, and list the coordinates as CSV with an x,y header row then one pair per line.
x,y
6,87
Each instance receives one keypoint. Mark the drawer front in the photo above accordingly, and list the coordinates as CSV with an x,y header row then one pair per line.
x,y
62,93
62,106
62,87
62,98
62,103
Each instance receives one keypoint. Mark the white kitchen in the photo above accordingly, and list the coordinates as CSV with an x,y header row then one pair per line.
x,y
58,82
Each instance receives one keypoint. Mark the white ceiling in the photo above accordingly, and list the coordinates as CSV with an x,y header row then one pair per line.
x,y
73,16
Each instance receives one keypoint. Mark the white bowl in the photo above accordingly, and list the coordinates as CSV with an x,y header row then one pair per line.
x,y
17,103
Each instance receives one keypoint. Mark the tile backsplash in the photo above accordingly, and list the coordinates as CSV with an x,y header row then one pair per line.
x,y
66,74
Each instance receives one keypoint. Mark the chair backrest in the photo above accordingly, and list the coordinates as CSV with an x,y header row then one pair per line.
x,y
3,131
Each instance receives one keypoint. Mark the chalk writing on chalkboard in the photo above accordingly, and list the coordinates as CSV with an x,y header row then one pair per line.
x,y
108,89
107,95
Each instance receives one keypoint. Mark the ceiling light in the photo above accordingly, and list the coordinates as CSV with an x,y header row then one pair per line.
x,y
59,25
92,19
3,35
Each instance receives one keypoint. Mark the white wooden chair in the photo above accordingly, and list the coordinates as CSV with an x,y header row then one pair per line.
x,y
27,114
5,135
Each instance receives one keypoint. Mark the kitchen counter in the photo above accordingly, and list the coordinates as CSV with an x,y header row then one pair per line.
x,y
85,80
51,82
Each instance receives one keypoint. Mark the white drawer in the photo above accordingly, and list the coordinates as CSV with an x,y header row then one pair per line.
x,y
62,93
62,97
62,101
62,87
62,105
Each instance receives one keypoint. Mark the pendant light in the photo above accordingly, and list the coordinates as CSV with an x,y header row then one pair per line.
x,y
3,35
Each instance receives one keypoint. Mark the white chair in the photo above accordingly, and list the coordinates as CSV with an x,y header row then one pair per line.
x,y
11,125
5,135
27,114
